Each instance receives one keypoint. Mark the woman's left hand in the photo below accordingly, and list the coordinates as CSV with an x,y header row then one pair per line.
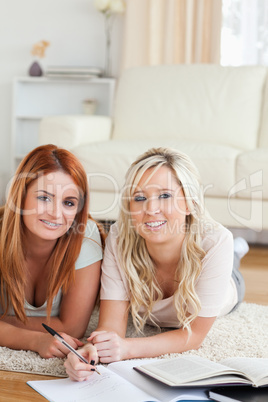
x,y
110,346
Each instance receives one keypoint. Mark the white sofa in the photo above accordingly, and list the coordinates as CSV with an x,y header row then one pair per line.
x,y
217,115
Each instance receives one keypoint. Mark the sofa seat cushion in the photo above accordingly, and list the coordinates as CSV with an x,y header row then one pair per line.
x,y
252,174
106,163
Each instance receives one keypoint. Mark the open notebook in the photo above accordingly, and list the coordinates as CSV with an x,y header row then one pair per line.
x,y
117,382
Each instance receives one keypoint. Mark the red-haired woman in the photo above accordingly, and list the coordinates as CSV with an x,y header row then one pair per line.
x,y
50,254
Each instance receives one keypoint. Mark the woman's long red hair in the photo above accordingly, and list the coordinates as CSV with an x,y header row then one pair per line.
x,y
41,161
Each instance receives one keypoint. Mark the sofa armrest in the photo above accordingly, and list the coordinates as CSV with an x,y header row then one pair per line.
x,y
73,130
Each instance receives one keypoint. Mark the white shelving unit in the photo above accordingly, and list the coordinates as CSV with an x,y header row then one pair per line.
x,y
37,97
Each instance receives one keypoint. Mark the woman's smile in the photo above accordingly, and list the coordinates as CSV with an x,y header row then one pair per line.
x,y
51,225
154,225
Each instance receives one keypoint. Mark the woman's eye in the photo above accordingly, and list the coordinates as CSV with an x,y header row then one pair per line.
x,y
165,195
69,203
139,198
43,198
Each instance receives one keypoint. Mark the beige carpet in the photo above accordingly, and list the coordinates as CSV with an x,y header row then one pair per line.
x,y
242,333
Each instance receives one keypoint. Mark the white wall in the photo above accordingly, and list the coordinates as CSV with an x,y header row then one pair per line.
x,y
75,31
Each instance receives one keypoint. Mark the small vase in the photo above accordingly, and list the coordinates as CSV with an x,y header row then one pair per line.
x,y
35,70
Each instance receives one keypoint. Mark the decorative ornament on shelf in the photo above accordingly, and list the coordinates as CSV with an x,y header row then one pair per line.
x,y
109,8
38,50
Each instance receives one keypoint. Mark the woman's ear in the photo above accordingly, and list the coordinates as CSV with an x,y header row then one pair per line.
x,y
187,212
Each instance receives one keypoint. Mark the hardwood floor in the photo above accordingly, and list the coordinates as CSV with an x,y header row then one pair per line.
x,y
14,388
254,267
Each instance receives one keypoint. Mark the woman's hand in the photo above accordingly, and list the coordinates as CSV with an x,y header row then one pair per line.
x,y
77,370
47,346
110,346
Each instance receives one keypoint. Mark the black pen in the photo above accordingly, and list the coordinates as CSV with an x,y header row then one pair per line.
x,y
61,339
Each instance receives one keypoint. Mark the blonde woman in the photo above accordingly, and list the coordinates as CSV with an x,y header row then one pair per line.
x,y
166,261
50,254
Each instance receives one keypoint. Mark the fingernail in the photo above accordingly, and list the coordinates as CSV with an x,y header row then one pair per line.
x,y
92,370
92,362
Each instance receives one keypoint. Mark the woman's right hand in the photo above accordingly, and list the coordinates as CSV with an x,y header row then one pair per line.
x,y
48,346
77,370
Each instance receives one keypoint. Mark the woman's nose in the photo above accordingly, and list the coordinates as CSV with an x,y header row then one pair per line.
x,y
153,205
55,209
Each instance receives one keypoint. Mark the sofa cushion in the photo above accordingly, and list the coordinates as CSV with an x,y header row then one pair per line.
x,y
206,103
70,130
106,163
252,174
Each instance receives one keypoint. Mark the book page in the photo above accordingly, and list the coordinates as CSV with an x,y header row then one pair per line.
x,y
186,369
158,390
256,369
99,388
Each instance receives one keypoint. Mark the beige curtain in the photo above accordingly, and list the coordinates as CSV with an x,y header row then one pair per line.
x,y
171,32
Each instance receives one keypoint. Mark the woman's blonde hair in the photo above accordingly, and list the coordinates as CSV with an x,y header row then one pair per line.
x,y
134,256
41,161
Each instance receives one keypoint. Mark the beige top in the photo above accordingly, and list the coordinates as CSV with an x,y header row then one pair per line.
x,y
215,287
